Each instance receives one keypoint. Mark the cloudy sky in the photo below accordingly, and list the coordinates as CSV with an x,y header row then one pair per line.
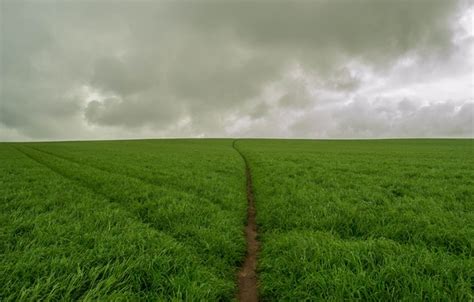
x,y
313,69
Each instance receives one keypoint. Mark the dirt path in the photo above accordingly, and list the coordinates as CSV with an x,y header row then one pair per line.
x,y
247,276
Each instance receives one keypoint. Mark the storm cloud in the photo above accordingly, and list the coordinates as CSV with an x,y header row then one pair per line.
x,y
315,69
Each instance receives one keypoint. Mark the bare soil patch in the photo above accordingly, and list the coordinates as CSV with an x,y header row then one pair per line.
x,y
247,276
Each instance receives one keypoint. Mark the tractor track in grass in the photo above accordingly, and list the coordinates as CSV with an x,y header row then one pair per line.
x,y
247,276
98,193
124,175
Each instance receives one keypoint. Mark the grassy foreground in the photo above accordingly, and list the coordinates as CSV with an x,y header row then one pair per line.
x,y
148,220
163,219
384,220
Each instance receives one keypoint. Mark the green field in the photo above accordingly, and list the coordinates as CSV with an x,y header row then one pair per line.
x,y
370,220
163,219
123,220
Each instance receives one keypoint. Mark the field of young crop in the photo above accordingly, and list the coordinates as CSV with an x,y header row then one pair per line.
x,y
164,219
383,220
124,220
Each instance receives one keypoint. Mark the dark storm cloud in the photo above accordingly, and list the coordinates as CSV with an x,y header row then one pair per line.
x,y
310,28
106,69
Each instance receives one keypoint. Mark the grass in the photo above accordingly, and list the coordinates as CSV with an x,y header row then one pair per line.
x,y
153,220
163,219
384,220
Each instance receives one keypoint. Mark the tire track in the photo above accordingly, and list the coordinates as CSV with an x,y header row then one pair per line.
x,y
122,202
247,276
126,176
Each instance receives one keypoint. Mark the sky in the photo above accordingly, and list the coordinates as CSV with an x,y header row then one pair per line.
x,y
78,70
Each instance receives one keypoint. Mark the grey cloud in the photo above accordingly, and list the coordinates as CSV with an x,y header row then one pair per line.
x,y
191,68
444,119
362,120
132,112
121,76
319,31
